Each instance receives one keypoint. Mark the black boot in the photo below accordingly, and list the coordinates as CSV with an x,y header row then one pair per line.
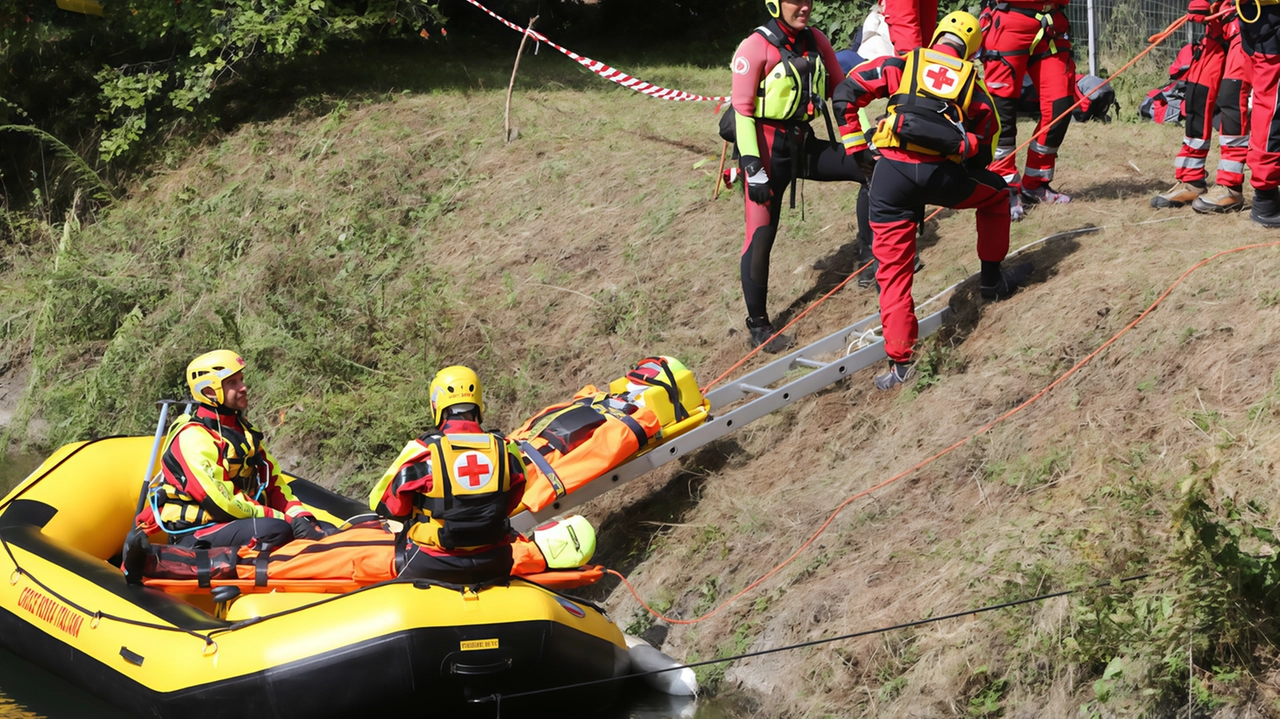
x,y
136,551
997,283
762,330
1266,207
866,277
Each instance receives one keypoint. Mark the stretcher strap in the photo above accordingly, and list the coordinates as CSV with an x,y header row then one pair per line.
x,y
641,438
533,455
260,564
204,568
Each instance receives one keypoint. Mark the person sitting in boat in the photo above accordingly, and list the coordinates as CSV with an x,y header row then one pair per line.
x,y
221,487
454,488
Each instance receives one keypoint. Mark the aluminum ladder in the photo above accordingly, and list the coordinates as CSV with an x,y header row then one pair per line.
x,y
762,398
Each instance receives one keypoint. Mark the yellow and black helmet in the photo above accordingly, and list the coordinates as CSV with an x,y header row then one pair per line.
x,y
964,26
208,370
774,7
454,386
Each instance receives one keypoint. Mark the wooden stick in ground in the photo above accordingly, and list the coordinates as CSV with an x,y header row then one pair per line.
x,y
720,173
506,120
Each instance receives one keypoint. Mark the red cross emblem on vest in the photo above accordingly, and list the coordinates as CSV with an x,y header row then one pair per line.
x,y
940,78
473,470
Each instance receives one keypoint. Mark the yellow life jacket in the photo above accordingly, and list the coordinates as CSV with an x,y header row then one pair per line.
x,y
927,114
794,89
179,511
470,491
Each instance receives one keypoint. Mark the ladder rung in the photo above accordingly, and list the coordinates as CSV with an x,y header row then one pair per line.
x,y
811,364
752,388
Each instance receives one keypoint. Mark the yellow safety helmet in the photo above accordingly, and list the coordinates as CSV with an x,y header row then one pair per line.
x,y
208,370
774,7
964,26
453,386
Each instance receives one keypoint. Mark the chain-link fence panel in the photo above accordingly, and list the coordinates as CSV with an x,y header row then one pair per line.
x,y
1121,28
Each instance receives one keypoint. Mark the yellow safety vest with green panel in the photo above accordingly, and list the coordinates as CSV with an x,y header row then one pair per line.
x,y
791,91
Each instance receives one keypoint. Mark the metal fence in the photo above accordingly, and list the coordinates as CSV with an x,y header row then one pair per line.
x,y
1107,33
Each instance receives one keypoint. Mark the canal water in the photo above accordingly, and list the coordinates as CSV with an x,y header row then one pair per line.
x,y
29,692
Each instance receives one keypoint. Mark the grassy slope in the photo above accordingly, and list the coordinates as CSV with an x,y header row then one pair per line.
x,y
351,249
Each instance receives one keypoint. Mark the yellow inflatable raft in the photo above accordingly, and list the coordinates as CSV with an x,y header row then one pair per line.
x,y
402,644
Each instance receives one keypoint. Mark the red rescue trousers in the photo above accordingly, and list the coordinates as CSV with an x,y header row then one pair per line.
x,y
1200,102
899,191
1007,57
1261,43
911,23
1233,109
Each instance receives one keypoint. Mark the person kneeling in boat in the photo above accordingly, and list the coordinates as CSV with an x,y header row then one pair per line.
x,y
454,488
221,487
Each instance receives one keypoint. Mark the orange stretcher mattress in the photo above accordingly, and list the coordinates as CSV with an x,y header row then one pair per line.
x,y
349,560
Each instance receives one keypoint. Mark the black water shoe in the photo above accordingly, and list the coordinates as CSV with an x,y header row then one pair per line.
x,y
1009,282
1266,208
762,330
136,551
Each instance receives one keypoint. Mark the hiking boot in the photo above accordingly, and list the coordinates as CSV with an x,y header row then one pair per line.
x,y
762,330
1177,196
136,551
1010,281
1222,199
1266,208
899,373
1016,210
1044,195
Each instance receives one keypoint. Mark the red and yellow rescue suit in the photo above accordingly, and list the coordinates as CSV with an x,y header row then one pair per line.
x,y
935,143
221,487
1020,38
455,491
911,23
774,99
1214,82
1260,40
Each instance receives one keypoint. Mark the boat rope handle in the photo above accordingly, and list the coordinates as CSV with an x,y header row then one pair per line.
x,y
930,460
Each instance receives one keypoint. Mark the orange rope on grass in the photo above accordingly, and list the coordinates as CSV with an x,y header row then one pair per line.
x,y
946,451
1154,41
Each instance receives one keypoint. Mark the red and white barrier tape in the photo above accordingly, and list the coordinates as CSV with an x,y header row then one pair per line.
x,y
603,70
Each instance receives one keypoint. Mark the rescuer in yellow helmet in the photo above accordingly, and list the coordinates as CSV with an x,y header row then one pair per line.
x,y
221,486
935,142
454,488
